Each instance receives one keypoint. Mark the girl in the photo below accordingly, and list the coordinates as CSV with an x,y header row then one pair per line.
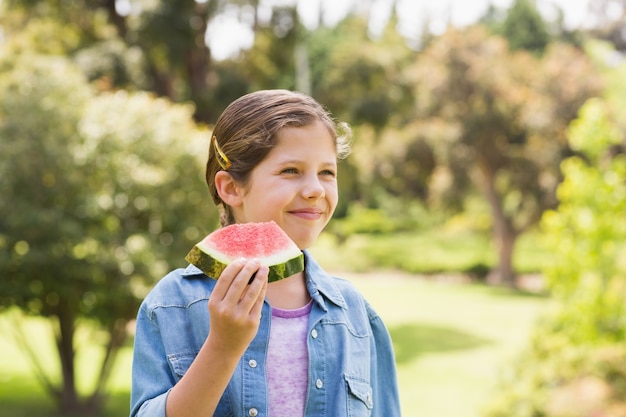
x,y
308,345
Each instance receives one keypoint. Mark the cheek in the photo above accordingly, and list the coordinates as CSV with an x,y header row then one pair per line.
x,y
332,194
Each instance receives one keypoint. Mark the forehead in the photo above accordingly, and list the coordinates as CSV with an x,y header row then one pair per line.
x,y
314,135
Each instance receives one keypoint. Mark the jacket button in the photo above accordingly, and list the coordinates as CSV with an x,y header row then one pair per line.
x,y
252,363
314,334
253,412
319,383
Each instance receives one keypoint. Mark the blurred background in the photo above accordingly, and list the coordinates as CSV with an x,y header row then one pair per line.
x,y
482,210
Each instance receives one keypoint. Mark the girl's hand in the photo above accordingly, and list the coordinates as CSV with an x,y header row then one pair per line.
x,y
235,307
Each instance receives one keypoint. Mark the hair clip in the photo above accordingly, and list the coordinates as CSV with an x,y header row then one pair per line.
x,y
221,157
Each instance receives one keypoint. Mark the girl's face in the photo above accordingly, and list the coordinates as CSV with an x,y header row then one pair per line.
x,y
295,185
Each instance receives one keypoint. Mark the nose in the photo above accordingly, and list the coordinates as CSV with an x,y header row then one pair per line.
x,y
313,188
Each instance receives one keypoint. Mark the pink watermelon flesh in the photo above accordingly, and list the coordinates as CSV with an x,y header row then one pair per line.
x,y
264,241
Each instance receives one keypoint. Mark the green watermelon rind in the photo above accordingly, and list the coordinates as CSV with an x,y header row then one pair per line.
x,y
213,267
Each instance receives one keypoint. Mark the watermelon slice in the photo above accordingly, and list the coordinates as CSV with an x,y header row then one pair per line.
x,y
264,241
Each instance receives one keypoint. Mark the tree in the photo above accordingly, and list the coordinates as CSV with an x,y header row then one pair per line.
x,y
587,230
154,46
101,194
578,347
524,28
502,118
610,21
270,62
358,77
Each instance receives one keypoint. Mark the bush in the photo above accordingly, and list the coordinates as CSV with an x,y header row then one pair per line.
x,y
556,378
364,220
576,365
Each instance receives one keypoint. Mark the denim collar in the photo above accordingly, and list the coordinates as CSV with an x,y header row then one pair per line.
x,y
320,284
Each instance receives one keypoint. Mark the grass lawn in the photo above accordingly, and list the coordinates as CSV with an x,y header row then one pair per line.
x,y
20,393
450,339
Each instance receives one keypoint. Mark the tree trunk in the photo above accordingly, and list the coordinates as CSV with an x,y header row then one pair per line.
x,y
116,19
198,65
301,59
68,400
505,238
117,337
504,233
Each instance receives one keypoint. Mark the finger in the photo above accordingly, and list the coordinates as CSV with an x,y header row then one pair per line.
x,y
226,278
255,295
240,281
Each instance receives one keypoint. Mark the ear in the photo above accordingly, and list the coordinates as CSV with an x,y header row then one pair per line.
x,y
229,191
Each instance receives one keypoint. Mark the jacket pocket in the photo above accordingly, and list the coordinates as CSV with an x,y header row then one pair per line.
x,y
360,401
180,362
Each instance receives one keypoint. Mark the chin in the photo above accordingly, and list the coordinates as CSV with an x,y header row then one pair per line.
x,y
305,243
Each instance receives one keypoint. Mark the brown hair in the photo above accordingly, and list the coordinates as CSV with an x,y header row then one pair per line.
x,y
247,129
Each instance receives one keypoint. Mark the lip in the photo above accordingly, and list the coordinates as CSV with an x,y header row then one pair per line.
x,y
309,214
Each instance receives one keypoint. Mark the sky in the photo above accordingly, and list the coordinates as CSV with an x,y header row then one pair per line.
x,y
231,31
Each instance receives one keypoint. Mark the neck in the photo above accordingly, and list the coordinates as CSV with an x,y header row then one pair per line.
x,y
289,293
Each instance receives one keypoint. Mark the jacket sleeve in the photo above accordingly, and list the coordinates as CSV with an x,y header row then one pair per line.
x,y
151,376
384,379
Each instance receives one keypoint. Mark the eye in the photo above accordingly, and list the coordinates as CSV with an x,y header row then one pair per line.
x,y
289,171
328,172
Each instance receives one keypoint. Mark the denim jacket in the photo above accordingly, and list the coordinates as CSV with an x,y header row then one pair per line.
x,y
351,361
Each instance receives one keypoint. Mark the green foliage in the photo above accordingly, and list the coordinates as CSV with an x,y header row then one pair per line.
x,y
426,251
579,347
392,215
95,187
588,230
496,122
41,104
374,92
558,378
524,28
47,27
403,164
113,63
102,194
406,236
270,63
612,66
364,220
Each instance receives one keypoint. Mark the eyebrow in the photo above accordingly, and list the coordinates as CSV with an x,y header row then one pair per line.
x,y
299,161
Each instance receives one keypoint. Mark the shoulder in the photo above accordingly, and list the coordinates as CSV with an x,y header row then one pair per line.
x,y
352,295
347,288
181,287
338,290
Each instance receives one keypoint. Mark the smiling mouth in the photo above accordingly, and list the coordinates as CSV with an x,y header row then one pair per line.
x,y
309,214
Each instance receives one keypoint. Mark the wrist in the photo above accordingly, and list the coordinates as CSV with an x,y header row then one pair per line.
x,y
223,349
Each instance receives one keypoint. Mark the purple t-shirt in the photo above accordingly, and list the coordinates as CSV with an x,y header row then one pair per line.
x,y
288,361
